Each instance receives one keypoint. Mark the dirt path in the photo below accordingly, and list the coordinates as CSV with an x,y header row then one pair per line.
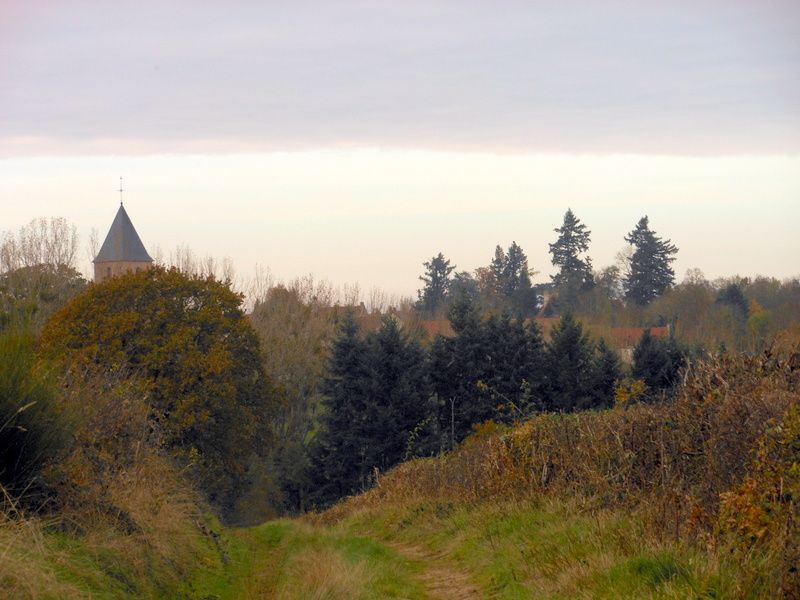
x,y
442,580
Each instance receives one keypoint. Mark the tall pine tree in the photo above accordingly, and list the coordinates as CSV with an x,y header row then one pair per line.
x,y
457,372
339,451
570,368
377,409
437,284
573,240
650,271
397,415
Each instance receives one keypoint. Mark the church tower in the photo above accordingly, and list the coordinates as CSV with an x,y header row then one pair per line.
x,y
122,251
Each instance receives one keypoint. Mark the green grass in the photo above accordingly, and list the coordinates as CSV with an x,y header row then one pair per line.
x,y
540,550
293,560
510,550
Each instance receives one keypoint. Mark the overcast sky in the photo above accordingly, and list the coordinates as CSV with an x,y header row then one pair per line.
x,y
356,139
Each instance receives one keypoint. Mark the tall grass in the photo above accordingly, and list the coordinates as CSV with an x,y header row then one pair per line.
x,y
33,429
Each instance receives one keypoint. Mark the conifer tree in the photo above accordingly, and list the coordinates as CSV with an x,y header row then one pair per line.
x,y
606,372
573,240
733,296
511,281
437,284
657,362
497,269
340,447
650,271
378,410
514,373
458,370
570,366
397,389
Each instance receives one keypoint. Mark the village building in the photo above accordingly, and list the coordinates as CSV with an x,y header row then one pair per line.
x,y
122,251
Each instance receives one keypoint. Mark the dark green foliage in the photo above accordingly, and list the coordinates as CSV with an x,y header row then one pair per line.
x,y
511,281
650,270
573,240
378,410
190,343
605,374
456,368
398,391
733,296
657,362
570,366
32,429
437,284
340,445
491,369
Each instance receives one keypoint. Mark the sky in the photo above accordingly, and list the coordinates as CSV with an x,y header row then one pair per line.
x,y
353,140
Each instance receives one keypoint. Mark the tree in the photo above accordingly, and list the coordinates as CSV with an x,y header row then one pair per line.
x,y
31,294
397,388
514,370
295,326
657,362
189,342
733,296
650,272
497,270
340,447
570,366
510,279
41,242
464,283
573,240
457,366
437,284
377,402
605,374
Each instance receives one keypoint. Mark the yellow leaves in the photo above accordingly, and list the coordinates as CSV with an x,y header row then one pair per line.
x,y
629,391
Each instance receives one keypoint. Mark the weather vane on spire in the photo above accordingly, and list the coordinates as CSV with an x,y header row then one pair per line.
x,y
120,190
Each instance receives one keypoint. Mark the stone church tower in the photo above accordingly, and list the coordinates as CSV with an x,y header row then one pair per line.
x,y
122,251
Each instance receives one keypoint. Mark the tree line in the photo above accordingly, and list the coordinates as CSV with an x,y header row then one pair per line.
x,y
506,282
387,398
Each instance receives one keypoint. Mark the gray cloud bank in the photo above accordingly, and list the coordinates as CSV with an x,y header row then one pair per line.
x,y
667,77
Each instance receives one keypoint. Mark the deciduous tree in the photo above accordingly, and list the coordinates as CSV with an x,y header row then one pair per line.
x,y
188,340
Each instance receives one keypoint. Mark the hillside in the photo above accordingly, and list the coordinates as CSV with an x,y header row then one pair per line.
x,y
695,498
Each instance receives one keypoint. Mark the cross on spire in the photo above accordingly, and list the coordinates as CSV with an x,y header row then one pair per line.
x,y
120,190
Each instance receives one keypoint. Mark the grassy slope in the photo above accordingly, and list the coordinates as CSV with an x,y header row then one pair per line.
x,y
547,549
508,550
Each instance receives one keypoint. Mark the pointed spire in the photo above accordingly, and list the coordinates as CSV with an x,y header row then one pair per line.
x,y
122,242
120,190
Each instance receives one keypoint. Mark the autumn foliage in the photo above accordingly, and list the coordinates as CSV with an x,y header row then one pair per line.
x,y
186,340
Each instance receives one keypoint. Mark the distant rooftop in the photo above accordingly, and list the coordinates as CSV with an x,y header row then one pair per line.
x,y
122,243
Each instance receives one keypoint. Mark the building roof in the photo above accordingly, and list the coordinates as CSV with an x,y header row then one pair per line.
x,y
122,243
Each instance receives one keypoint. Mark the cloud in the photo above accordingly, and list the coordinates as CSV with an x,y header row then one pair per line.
x,y
685,78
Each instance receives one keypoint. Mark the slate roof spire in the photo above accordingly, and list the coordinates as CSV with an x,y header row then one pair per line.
x,y
122,244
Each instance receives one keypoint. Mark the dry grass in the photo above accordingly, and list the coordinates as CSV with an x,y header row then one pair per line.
x,y
24,572
323,574
120,518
